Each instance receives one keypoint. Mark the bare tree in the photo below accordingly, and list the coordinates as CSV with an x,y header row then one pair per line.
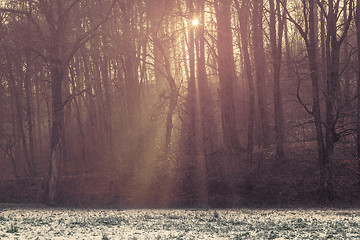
x,y
309,37
333,47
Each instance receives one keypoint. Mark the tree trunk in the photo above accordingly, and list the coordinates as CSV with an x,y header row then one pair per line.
x,y
276,49
207,120
226,68
131,70
96,79
323,66
195,134
38,121
311,49
244,28
107,106
310,39
28,94
29,114
155,11
346,60
57,74
108,103
333,99
173,98
192,87
57,128
260,62
332,83
358,85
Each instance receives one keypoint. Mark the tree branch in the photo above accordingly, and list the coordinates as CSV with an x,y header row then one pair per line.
x,y
291,19
72,96
348,23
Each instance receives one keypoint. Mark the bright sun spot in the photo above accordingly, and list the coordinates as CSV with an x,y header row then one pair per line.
x,y
195,22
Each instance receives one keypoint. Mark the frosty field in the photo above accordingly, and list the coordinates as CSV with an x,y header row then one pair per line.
x,y
55,223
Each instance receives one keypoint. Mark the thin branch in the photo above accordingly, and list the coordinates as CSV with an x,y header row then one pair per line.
x,y
311,112
72,96
10,10
348,23
320,4
300,29
348,60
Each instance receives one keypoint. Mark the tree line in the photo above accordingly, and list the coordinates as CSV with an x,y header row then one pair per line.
x,y
132,102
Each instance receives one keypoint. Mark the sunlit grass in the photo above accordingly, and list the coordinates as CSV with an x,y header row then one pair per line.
x,y
180,224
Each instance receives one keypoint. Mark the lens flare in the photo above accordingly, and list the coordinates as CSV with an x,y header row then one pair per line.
x,y
195,22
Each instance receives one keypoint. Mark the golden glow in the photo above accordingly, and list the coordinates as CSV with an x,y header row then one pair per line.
x,y
195,22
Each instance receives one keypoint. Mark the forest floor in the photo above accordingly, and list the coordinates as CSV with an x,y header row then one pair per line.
x,y
38,222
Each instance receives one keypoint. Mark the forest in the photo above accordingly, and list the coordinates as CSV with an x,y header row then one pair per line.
x,y
180,103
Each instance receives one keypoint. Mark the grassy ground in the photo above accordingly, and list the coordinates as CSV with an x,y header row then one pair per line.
x,y
55,223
